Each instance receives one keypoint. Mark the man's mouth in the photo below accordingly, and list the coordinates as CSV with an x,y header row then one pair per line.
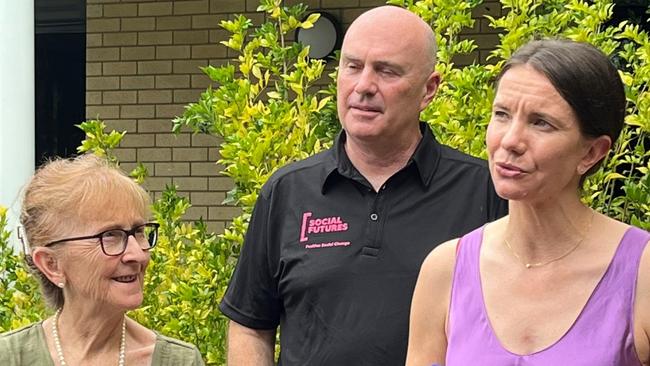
x,y
366,108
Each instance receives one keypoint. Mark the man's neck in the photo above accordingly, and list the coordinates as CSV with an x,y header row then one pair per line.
x,y
378,161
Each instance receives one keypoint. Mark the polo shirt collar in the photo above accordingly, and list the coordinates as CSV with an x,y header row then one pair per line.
x,y
425,158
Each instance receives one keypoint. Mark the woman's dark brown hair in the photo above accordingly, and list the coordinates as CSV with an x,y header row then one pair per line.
x,y
585,77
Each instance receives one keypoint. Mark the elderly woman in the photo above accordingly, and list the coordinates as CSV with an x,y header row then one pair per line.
x,y
553,283
86,225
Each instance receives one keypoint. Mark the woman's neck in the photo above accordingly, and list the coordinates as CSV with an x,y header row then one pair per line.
x,y
89,334
543,231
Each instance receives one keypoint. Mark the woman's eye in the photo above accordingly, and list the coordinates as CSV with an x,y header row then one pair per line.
x,y
111,234
541,123
112,237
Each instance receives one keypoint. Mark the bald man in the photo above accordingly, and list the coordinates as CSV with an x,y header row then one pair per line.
x,y
336,241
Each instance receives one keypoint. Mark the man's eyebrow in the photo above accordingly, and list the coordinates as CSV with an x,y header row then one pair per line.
x,y
349,58
388,64
375,64
499,104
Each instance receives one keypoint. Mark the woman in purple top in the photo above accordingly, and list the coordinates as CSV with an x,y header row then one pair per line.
x,y
553,283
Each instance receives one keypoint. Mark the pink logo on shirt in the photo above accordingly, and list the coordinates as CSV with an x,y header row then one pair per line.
x,y
320,225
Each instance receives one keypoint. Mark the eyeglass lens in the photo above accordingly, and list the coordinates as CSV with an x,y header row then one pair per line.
x,y
114,241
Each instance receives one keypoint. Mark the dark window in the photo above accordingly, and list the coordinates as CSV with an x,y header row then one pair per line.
x,y
60,63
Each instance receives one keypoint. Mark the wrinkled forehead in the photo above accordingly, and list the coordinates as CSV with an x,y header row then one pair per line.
x,y
111,201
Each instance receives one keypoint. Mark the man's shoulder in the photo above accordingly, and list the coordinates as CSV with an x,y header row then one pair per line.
x,y
455,156
308,167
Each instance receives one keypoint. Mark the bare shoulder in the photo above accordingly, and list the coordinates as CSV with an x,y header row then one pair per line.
x,y
142,336
441,260
435,280
427,327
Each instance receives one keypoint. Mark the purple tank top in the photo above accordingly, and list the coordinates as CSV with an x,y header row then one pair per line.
x,y
601,335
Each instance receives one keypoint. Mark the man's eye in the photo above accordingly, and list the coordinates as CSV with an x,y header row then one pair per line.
x,y
500,114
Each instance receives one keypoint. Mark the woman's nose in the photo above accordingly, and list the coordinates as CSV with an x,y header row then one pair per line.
x,y
514,136
134,250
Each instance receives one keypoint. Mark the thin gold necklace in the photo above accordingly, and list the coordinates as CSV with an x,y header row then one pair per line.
x,y
541,264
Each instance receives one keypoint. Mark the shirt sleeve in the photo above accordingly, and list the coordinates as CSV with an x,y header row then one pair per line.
x,y
252,298
198,359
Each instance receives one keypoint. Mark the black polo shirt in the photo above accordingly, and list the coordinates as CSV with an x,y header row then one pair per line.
x,y
334,263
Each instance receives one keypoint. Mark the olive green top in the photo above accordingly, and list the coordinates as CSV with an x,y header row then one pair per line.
x,y
27,346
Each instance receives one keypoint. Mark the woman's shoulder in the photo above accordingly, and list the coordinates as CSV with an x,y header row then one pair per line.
x,y
438,266
442,258
172,351
21,335
24,346
173,342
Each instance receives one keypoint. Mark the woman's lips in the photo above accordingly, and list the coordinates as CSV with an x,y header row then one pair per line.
x,y
509,170
126,279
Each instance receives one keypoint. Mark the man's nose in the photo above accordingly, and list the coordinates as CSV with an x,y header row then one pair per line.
x,y
366,83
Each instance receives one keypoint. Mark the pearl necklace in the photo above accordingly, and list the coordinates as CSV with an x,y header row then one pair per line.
x,y
59,350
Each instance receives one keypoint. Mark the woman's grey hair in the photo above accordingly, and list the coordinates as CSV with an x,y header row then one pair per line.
x,y
65,192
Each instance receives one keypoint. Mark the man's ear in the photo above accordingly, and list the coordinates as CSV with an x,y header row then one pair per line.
x,y
431,87
46,260
597,149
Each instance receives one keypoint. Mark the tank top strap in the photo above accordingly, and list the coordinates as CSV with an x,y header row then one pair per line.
x,y
466,269
622,273
606,322
629,251
466,305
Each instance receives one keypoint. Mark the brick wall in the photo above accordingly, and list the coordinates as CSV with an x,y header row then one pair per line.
x,y
142,67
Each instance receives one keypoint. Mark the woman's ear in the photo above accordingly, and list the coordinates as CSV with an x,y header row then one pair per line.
x,y
597,149
46,260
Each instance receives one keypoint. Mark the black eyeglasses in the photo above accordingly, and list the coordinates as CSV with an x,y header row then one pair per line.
x,y
114,241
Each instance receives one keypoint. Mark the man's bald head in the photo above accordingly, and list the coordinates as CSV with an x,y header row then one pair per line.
x,y
386,77
404,25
